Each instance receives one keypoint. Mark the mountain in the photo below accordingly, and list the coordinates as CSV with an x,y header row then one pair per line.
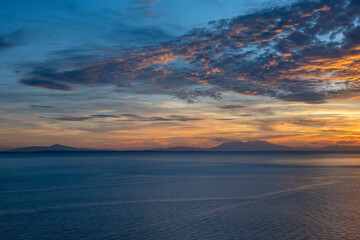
x,y
258,146
249,146
233,147
53,148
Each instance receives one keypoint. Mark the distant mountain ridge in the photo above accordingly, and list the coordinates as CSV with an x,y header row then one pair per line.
x,y
233,146
259,146
52,148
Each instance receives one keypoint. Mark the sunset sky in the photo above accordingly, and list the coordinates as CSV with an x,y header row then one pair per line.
x,y
141,74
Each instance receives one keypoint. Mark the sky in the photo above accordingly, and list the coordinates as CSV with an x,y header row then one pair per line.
x,y
142,74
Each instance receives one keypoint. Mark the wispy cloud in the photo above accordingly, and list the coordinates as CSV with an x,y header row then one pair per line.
x,y
231,107
129,118
144,8
84,118
41,106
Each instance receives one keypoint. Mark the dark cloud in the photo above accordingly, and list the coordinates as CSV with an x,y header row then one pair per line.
x,y
104,116
73,119
305,96
81,119
4,44
308,52
41,106
49,84
171,118
348,142
129,118
231,107
183,118
11,39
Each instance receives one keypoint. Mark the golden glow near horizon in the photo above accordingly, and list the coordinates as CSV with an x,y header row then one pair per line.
x,y
291,124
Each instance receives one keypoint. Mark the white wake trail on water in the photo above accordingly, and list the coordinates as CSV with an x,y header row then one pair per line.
x,y
249,199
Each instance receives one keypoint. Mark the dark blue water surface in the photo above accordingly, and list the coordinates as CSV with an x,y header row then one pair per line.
x,y
179,196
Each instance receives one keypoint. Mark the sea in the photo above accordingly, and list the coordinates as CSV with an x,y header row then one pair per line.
x,y
179,195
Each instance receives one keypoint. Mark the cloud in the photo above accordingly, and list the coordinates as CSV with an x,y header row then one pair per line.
x,y
232,107
171,118
73,119
4,44
103,116
81,119
348,142
310,125
305,96
192,95
41,106
49,84
11,39
129,118
306,52
143,8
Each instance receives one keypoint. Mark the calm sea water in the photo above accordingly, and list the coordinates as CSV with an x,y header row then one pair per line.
x,y
179,196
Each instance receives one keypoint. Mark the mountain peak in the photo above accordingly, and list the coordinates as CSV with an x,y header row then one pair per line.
x,y
57,145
